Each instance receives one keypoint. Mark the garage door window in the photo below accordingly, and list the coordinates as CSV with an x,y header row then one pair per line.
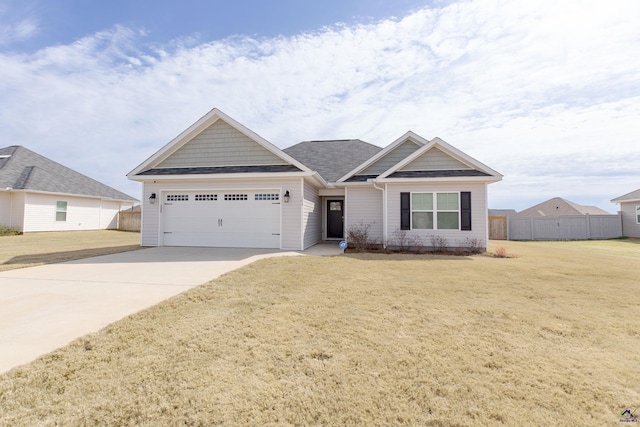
x,y
177,198
236,197
206,197
268,196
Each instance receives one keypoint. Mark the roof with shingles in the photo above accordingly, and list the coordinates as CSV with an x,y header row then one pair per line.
x,y
332,159
221,169
558,206
633,196
23,169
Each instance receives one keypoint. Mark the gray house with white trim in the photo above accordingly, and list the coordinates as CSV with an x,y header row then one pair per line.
x,y
220,184
630,211
38,194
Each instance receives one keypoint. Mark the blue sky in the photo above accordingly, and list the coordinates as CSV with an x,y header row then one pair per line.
x,y
547,93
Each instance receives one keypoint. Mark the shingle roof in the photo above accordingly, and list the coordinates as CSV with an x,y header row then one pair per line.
x,y
332,159
634,195
558,206
22,169
221,169
437,174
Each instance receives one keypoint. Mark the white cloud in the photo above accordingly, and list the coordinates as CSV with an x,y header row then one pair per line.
x,y
547,94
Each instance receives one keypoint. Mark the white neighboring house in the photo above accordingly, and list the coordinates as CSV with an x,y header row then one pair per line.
x,y
38,194
220,184
630,209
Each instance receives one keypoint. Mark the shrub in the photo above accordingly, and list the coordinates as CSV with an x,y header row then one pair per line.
x,y
358,236
439,243
9,231
403,240
473,246
500,252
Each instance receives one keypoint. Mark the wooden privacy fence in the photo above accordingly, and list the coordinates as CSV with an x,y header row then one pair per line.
x,y
129,221
569,227
498,227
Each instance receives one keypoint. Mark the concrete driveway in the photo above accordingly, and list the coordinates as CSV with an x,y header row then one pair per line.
x,y
46,307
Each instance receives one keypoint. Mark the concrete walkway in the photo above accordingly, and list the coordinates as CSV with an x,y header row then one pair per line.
x,y
46,307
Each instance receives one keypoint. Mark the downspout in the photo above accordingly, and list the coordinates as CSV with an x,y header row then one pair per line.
x,y
384,214
10,206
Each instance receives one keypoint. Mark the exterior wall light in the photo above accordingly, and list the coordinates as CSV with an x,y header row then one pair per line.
x,y
152,198
286,196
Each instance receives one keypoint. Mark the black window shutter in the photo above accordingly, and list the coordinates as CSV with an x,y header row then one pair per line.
x,y
405,211
465,210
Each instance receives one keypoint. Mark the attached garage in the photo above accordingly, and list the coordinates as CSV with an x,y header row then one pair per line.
x,y
229,218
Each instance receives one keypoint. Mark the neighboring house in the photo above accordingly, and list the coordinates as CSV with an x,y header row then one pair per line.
x,y
560,207
630,210
38,194
220,184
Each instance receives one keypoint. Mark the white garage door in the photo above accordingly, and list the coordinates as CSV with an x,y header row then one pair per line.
x,y
241,219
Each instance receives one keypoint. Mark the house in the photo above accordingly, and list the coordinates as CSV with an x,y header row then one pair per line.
x,y
558,206
630,211
220,184
38,194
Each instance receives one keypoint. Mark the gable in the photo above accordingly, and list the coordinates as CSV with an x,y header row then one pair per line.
x,y
220,144
435,159
391,158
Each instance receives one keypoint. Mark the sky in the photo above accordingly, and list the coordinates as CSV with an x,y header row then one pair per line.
x,y
547,92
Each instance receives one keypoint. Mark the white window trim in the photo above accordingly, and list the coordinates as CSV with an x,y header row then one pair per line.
x,y
435,209
66,209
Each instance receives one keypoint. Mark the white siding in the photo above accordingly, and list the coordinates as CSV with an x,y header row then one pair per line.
x,y
479,219
221,145
291,234
311,216
363,205
630,226
391,158
40,213
109,214
5,209
435,159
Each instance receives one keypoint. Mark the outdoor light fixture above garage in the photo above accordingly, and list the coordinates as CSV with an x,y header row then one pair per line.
x,y
152,198
286,196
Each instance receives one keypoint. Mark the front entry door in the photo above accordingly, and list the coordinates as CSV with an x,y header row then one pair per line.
x,y
335,219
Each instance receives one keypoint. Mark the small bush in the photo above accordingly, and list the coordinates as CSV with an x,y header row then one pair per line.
x,y
439,243
500,252
358,236
9,231
473,246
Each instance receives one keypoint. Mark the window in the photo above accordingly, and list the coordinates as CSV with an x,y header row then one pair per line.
x,y
206,197
61,211
638,214
235,197
435,211
177,198
268,196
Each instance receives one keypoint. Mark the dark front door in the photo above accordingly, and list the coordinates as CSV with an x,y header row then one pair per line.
x,y
335,219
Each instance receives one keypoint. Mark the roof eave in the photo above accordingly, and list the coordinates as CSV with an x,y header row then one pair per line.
x,y
487,179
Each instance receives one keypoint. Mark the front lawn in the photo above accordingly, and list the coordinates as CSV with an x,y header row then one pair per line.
x,y
547,337
33,249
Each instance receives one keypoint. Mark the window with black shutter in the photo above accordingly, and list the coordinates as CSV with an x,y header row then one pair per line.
x,y
405,211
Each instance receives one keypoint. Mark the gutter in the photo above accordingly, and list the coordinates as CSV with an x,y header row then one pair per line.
x,y
384,213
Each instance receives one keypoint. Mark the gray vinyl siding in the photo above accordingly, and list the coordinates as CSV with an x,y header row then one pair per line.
x,y
435,159
364,207
392,158
221,145
630,226
290,219
455,238
311,216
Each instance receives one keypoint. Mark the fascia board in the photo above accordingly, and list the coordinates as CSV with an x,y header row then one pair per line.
x,y
440,179
145,178
407,136
617,201
81,196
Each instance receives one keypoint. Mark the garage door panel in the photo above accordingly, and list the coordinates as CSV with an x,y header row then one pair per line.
x,y
222,219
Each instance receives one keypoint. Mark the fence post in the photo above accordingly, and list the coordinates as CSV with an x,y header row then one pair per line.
x,y
531,227
588,226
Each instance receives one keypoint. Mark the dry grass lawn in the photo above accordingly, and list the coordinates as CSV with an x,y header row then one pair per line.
x,y
548,337
33,249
